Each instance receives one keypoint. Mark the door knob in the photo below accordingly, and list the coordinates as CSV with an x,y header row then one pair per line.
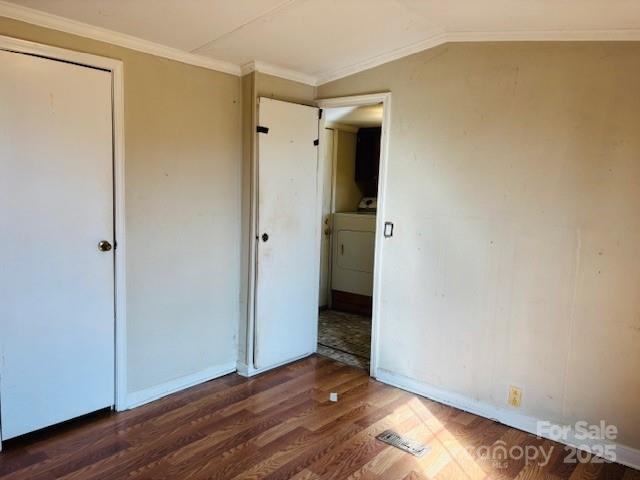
x,y
104,246
265,237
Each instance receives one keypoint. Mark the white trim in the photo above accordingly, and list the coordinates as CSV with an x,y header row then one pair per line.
x,y
55,22
286,73
622,34
430,42
117,75
320,180
357,101
322,183
147,395
628,456
624,454
24,46
253,235
442,37
120,237
249,370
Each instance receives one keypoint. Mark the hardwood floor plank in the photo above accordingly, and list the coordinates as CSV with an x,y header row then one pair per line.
x,y
631,474
362,446
280,426
587,471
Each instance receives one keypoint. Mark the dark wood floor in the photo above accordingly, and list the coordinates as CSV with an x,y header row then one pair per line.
x,y
280,425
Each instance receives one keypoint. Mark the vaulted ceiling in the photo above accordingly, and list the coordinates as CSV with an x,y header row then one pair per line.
x,y
319,40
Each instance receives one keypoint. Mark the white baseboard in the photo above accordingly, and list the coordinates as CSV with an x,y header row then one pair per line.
x,y
147,395
249,370
625,455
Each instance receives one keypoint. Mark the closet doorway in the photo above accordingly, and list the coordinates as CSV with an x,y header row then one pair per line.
x,y
60,209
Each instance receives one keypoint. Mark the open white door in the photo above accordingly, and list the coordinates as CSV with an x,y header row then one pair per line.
x,y
56,207
288,248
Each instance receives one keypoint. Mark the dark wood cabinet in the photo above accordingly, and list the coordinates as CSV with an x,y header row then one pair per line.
x,y
368,159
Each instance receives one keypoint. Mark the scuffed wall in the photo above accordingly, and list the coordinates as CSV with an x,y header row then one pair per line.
x,y
514,185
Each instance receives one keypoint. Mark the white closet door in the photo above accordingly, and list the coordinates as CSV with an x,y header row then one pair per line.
x,y
56,205
288,256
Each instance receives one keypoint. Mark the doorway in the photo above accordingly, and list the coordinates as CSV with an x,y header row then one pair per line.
x,y
351,165
289,256
62,209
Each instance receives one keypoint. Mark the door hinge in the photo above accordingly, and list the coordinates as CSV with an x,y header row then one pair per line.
x,y
261,129
319,113
316,142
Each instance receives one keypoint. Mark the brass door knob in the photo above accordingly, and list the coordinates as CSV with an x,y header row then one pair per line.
x,y
104,246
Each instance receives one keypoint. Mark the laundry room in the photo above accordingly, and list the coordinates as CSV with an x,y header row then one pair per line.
x,y
350,163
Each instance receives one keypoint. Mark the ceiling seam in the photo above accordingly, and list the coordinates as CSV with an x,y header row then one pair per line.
x,y
280,6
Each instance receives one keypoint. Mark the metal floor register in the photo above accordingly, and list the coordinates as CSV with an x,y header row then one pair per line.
x,y
414,448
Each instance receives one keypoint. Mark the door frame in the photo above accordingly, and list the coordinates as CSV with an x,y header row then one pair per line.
x,y
115,67
324,125
359,101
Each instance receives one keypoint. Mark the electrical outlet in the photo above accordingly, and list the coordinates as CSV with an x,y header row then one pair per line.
x,y
515,396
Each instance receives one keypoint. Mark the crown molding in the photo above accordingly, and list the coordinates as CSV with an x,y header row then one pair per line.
x,y
286,73
433,41
47,20
55,22
442,37
618,35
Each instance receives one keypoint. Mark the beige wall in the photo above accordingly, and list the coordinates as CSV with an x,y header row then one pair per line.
x,y
347,191
513,182
183,159
282,89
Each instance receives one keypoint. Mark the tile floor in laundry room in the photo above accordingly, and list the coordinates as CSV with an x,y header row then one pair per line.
x,y
345,337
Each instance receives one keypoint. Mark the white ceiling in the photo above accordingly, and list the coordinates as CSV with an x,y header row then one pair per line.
x,y
319,40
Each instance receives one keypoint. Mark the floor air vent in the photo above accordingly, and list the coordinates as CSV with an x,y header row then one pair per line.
x,y
414,448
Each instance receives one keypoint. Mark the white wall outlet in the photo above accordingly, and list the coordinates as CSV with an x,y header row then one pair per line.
x,y
515,396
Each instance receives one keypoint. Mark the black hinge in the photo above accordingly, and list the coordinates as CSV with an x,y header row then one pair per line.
x,y
261,129
319,113
316,142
